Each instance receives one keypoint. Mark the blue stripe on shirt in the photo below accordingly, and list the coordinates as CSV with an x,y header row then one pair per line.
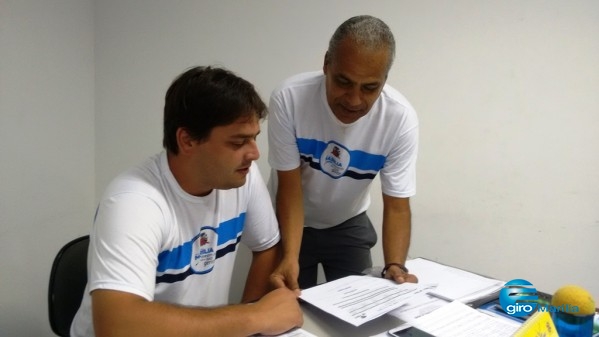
x,y
180,257
360,160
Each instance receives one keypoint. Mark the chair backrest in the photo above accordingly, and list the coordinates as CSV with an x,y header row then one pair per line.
x,y
68,278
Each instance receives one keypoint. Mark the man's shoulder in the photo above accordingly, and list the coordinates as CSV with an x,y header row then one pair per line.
x,y
389,92
301,80
394,98
143,178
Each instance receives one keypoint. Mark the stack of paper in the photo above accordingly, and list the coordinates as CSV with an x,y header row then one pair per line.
x,y
359,299
453,283
450,284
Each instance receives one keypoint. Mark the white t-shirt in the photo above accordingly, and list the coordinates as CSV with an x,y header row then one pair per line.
x,y
339,161
152,239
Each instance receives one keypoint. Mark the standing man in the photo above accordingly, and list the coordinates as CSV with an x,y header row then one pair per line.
x,y
166,232
330,133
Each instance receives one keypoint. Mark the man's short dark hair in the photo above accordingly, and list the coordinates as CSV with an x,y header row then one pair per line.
x,y
205,97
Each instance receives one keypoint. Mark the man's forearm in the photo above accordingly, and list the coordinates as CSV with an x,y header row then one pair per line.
x,y
290,212
257,282
396,242
396,229
291,222
121,314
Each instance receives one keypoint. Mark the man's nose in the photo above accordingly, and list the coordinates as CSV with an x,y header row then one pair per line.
x,y
353,97
253,153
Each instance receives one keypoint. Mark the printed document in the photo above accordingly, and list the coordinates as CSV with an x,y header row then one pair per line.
x,y
459,319
359,299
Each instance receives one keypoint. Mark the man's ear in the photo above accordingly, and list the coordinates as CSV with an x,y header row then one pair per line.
x,y
327,61
184,141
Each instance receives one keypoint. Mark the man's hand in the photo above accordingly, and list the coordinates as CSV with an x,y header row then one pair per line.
x,y
285,275
280,310
398,275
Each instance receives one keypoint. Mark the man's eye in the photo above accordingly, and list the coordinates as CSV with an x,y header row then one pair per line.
x,y
240,143
371,86
343,82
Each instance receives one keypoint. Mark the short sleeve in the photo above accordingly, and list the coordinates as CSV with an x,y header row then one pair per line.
x,y
283,153
261,229
398,176
125,243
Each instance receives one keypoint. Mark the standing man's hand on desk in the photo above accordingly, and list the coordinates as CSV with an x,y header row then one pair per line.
x,y
285,276
399,273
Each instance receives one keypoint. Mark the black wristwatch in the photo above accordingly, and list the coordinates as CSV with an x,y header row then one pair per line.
x,y
401,266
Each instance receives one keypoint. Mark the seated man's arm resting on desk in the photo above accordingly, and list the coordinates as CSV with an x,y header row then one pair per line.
x,y
396,237
119,313
290,213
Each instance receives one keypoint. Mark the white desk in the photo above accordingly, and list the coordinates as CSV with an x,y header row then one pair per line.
x,y
323,324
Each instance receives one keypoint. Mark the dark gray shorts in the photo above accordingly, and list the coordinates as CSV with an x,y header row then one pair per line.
x,y
342,250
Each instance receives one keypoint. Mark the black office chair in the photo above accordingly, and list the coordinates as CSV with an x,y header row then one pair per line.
x,y
67,283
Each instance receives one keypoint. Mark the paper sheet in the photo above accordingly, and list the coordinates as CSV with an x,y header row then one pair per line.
x,y
458,319
359,299
418,306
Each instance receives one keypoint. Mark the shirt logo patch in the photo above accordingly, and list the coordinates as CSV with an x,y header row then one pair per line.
x,y
204,250
334,160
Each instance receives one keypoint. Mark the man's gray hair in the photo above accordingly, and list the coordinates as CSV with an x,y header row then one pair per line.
x,y
367,32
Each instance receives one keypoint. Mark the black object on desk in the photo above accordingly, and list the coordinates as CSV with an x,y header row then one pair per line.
x,y
409,331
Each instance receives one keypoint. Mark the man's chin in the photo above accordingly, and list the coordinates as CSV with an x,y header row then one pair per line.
x,y
348,117
235,184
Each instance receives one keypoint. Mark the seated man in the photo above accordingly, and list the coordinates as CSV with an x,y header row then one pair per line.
x,y
165,236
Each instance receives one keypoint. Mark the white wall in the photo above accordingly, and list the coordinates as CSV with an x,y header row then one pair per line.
x,y
506,93
46,149
509,169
